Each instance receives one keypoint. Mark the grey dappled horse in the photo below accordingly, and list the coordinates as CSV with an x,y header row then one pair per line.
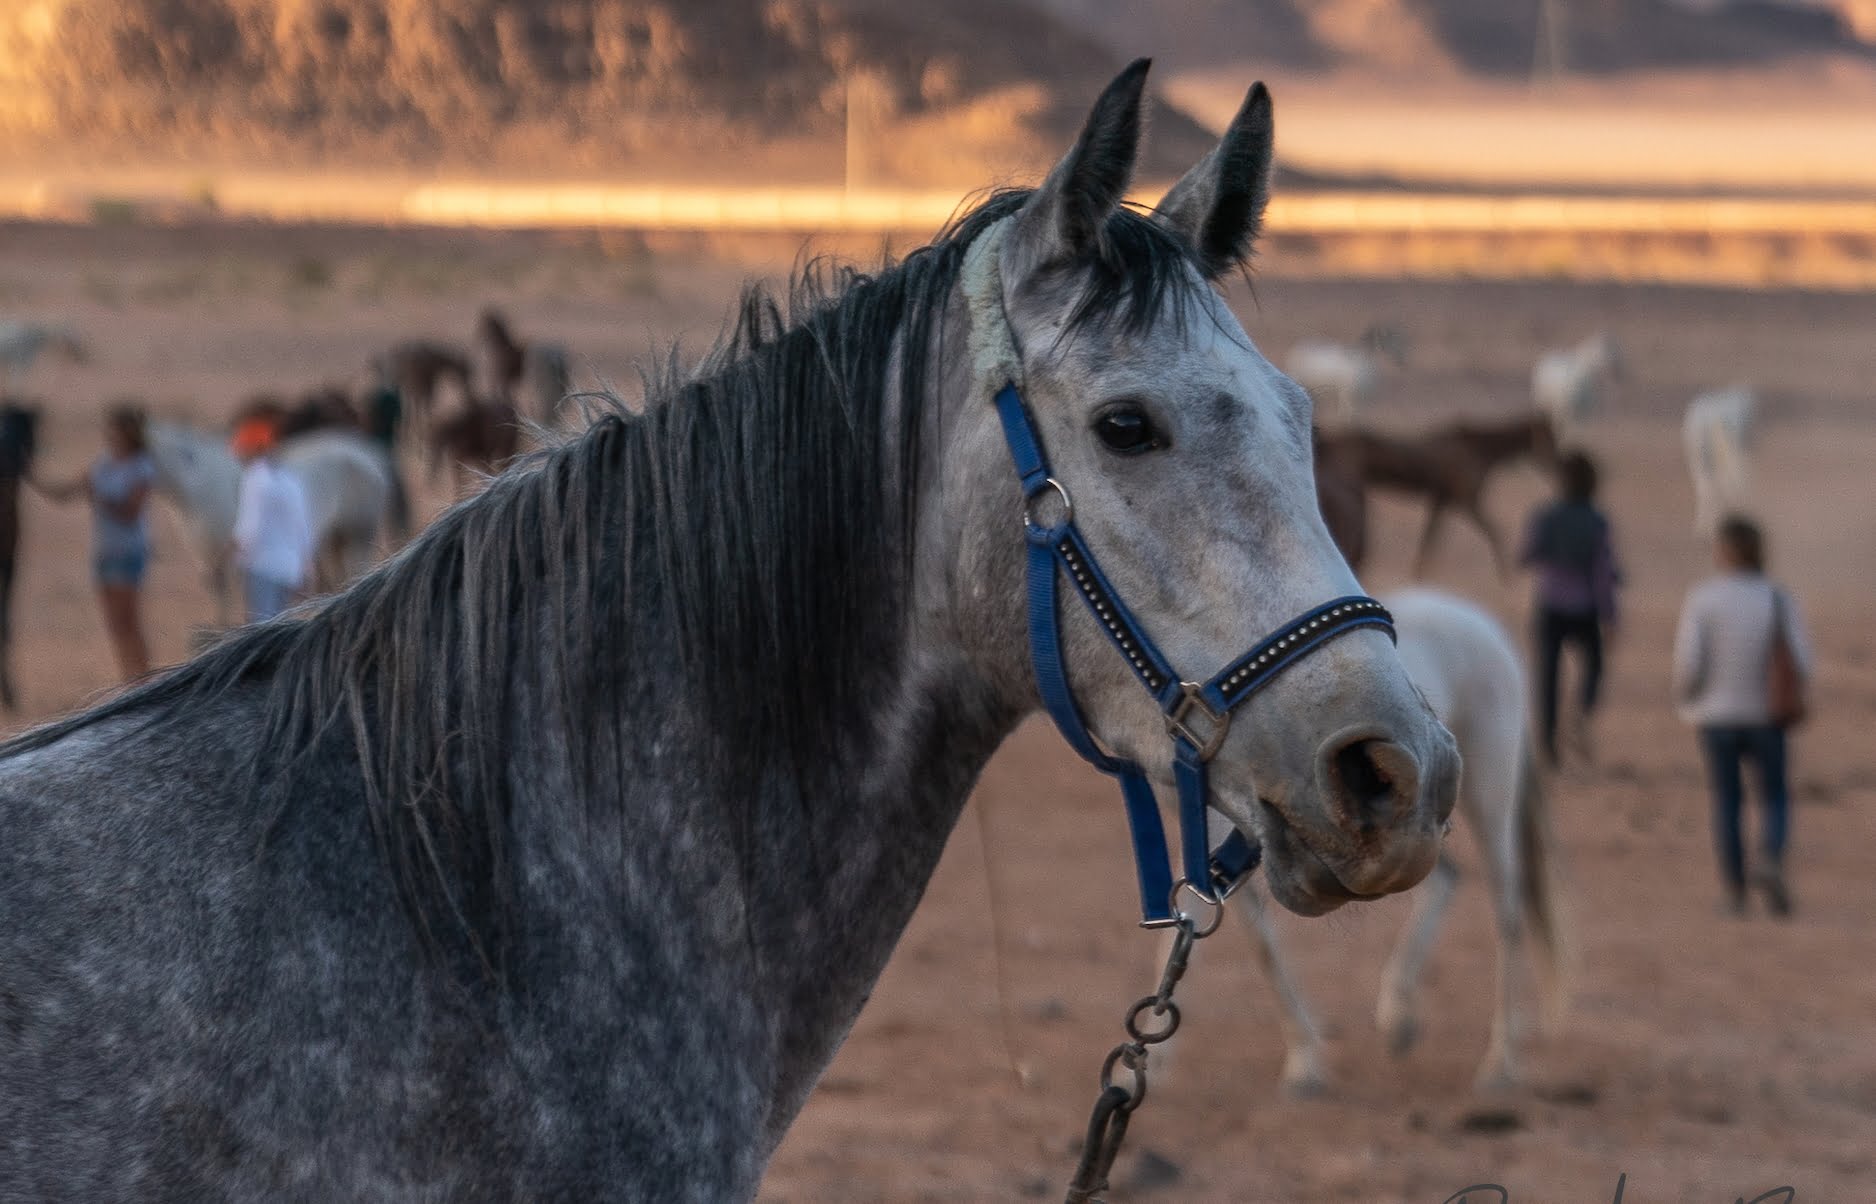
x,y
554,858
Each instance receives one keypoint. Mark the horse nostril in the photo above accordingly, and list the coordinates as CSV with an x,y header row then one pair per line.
x,y
1373,778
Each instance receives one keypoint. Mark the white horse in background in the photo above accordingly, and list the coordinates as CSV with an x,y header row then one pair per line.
x,y
348,487
22,343
1464,662
1343,380
1569,385
1717,433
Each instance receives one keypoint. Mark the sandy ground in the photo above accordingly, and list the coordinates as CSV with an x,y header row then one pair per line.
x,y
1708,1059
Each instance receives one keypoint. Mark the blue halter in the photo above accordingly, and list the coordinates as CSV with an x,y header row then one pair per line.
x,y
1211,873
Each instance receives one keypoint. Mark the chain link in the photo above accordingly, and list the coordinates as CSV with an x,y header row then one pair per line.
x,y
1114,1107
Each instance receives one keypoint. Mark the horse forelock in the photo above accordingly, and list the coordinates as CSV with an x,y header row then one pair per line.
x,y
745,541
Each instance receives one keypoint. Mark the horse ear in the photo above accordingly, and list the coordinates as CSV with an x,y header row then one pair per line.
x,y
1218,207
1066,219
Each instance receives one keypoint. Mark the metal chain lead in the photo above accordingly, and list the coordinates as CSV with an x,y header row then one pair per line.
x,y
1114,1107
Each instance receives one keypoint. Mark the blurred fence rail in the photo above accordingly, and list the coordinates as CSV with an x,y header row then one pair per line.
x,y
1728,240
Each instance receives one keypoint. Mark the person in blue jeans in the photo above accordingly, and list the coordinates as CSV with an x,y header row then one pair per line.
x,y
1568,546
118,487
1722,659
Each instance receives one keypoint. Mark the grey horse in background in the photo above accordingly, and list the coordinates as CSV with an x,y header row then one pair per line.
x,y
1469,669
554,858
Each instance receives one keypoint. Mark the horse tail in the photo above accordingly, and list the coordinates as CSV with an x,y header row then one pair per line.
x,y
1542,899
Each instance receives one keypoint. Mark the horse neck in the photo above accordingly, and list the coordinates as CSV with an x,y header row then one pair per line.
x,y
874,830
809,873
9,518
874,841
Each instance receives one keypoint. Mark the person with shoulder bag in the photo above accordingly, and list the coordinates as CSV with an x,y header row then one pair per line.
x,y
1742,664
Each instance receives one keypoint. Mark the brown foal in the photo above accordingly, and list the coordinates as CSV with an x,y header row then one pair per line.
x,y
1449,466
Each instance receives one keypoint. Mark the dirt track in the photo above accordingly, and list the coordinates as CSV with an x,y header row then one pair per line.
x,y
1708,1059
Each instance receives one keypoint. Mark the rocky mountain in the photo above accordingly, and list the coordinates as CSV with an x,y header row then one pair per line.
x,y
1492,38
678,87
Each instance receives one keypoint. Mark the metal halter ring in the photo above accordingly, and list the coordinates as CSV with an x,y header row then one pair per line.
x,y
1124,1055
1153,1005
1216,904
1029,507
1192,698
1223,888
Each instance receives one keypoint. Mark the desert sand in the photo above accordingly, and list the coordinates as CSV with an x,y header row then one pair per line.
x,y
1709,1059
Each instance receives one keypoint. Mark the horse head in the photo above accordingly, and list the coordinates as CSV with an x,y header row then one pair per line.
x,y
1187,457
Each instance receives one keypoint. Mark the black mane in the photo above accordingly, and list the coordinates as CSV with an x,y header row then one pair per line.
x,y
741,529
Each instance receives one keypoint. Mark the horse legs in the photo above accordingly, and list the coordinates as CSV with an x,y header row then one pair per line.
x,y
1395,1013
1435,511
398,510
355,553
1500,1067
1303,1075
1706,508
7,698
1475,511
419,404
329,564
220,583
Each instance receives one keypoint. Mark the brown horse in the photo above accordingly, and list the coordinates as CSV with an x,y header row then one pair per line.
x,y
507,354
483,435
1448,466
513,362
323,409
1343,499
418,367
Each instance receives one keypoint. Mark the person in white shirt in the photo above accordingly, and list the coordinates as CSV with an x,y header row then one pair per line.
x,y
273,530
1722,666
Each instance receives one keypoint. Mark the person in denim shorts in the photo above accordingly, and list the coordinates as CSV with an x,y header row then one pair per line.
x,y
118,488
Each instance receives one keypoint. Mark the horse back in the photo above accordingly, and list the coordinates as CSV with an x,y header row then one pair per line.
x,y
1418,465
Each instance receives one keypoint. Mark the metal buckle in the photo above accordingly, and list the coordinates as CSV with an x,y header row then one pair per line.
x,y
1182,917
1029,507
1224,887
1191,697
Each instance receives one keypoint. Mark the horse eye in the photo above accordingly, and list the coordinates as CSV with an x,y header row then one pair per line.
x,y
1127,431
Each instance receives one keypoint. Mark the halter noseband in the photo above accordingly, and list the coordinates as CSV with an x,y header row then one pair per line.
x,y
1198,716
